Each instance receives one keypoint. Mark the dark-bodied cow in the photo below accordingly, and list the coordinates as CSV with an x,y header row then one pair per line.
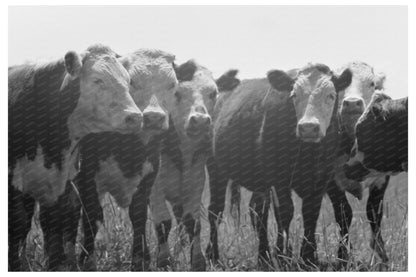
x,y
380,150
381,145
125,165
51,107
315,105
277,132
182,174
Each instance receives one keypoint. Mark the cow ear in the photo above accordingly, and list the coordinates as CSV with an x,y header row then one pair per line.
x,y
343,81
280,80
125,61
186,71
73,63
379,80
376,110
228,80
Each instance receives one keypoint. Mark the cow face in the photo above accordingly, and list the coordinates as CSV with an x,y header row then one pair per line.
x,y
358,94
104,103
381,139
153,84
314,95
194,101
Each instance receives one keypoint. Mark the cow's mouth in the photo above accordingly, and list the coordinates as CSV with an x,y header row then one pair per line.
x,y
155,128
311,139
195,133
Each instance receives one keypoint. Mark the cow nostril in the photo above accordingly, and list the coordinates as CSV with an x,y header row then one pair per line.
x,y
359,103
309,128
152,118
199,121
193,120
133,119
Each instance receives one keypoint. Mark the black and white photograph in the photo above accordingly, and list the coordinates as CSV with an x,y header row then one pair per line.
x,y
211,138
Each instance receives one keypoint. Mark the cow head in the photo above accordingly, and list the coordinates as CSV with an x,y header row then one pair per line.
x,y
104,103
381,139
314,95
358,94
153,84
194,101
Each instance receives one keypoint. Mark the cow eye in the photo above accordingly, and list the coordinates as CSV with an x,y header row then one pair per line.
x,y
213,95
372,84
331,96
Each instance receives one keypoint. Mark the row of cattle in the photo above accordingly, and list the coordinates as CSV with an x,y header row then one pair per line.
x,y
145,130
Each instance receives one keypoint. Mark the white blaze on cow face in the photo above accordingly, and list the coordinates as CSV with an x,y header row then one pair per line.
x,y
194,104
358,94
314,97
153,84
104,103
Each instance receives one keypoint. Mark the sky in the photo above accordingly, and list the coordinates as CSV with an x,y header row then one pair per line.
x,y
253,39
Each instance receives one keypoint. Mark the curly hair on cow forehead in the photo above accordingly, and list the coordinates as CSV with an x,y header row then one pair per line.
x,y
315,66
100,49
154,54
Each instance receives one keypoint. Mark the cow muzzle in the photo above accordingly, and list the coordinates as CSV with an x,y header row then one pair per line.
x,y
352,106
310,132
154,120
133,121
198,125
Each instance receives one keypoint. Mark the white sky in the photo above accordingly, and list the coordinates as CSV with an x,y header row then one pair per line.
x,y
253,39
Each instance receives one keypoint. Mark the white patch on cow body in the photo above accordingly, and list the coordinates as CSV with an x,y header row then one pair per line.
x,y
181,189
110,178
374,181
45,185
353,187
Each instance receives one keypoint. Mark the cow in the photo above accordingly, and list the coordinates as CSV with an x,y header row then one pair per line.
x,y
125,165
353,101
381,144
182,172
281,133
52,106
380,150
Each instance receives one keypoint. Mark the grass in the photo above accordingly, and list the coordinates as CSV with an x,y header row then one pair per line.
x,y
238,246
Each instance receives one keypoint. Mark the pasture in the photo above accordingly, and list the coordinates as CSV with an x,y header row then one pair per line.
x,y
238,246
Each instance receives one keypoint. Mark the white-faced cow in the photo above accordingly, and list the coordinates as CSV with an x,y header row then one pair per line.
x,y
380,149
182,174
353,101
125,165
52,107
279,132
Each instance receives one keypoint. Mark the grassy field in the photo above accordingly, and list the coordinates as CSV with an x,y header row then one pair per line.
x,y
238,246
